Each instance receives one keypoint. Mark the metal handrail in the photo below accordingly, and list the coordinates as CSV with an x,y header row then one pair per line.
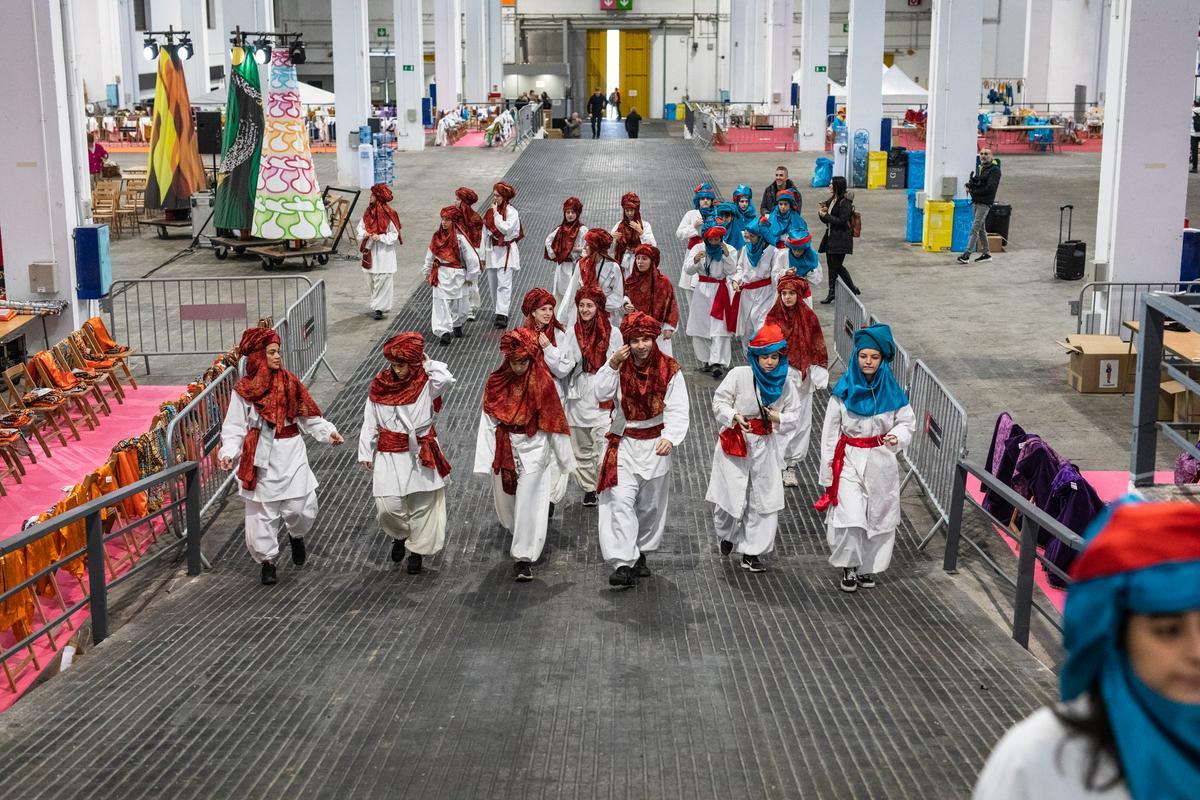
x,y
1113,302
1034,520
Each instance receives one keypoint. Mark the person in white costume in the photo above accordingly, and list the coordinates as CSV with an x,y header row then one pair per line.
x,y
595,269
451,268
524,444
631,231
650,420
868,423
648,290
398,444
472,228
799,258
711,308
500,255
690,227
1128,721
565,246
538,308
378,236
808,363
589,343
753,281
756,408
268,410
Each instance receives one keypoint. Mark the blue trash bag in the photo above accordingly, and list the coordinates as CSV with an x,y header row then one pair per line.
x,y
822,173
985,122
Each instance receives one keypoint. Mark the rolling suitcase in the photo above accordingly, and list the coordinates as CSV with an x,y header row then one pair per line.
x,y
1070,255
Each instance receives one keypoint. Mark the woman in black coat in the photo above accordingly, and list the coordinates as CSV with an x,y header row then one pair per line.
x,y
838,241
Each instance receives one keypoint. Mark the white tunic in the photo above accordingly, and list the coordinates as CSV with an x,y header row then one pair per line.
x,y
869,493
817,378
579,392
700,320
286,474
533,454
383,249
563,271
757,478
399,474
1037,760
637,456
755,303
647,238
559,359
689,227
494,256
612,283
451,280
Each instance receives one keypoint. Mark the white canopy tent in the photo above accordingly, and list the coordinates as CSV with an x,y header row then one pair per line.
x,y
898,88
309,96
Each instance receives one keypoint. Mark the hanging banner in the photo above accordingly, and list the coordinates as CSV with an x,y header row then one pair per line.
x,y
241,146
175,171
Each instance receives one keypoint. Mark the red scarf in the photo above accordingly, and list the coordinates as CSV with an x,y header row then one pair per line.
x,y
376,219
389,390
489,222
593,338
651,292
564,241
589,270
627,238
472,225
644,388
801,328
278,396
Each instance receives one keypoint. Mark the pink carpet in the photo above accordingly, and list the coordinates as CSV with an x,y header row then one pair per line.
x,y
1109,485
470,139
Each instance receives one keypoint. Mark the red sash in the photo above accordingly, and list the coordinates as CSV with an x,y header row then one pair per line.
x,y
433,273
504,463
430,453
247,473
737,296
830,498
608,467
733,439
722,306
695,240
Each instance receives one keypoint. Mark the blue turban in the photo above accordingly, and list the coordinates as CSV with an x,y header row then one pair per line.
x,y
699,193
769,339
868,397
754,251
807,261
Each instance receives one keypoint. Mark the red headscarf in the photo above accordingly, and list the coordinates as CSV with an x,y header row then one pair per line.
x,y
277,395
505,193
472,223
386,388
444,244
800,326
644,388
567,232
651,291
627,237
376,219
535,298
589,266
593,335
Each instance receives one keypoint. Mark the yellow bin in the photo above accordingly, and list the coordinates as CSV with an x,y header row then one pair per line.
x,y
876,170
939,226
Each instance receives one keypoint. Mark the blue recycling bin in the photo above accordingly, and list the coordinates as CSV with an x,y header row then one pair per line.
x,y
669,111
885,134
916,169
964,215
916,219
1189,267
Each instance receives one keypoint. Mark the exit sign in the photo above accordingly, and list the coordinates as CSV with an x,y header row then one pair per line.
x,y
820,69
845,27
381,33
616,5
407,68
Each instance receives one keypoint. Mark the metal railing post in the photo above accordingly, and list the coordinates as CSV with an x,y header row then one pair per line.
x,y
1143,449
97,586
954,525
192,514
1023,600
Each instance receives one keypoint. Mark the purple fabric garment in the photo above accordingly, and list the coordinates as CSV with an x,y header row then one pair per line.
x,y
1074,503
1036,466
1187,468
1002,458
1004,426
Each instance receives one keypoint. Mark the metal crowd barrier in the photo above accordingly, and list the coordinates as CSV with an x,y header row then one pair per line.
x,y
849,314
1034,520
195,316
527,123
939,444
195,433
94,551
305,334
1102,307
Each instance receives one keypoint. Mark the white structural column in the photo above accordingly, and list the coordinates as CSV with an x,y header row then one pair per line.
x,y
749,51
249,15
864,68
447,52
194,19
40,158
410,72
495,34
476,51
131,54
779,93
1143,166
351,82
1039,21
954,63
814,77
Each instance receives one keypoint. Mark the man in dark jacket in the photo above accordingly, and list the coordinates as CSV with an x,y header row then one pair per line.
x,y
595,107
782,181
632,121
982,186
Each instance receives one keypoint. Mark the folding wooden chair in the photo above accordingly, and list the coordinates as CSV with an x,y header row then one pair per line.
x,y
87,353
46,374
117,354
104,207
47,408
27,423
12,466
70,355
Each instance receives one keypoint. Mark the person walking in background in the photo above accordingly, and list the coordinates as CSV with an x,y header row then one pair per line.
x,y
450,268
713,262
614,100
97,155
378,235
565,246
632,123
781,182
649,291
501,257
627,234
595,108
472,228
838,241
982,186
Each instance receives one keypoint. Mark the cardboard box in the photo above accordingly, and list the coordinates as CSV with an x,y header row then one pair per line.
x,y
1176,403
554,133
1100,364
995,243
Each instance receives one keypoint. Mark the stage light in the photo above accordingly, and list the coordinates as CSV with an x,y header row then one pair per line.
x,y
262,51
184,50
150,49
296,52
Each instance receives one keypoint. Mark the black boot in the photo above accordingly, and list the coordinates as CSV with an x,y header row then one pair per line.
x,y
299,552
414,564
397,550
640,570
268,574
622,578
829,297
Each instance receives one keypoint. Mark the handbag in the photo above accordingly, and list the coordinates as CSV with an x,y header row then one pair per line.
x,y
855,223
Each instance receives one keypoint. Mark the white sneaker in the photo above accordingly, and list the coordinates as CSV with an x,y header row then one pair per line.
x,y
790,478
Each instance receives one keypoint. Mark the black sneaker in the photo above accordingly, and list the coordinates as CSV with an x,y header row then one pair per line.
x,y
500,321
414,564
397,550
849,579
268,574
299,551
458,334
378,315
753,564
444,339
726,547
706,367
984,257
640,570
866,581
522,571
717,371
590,499
622,578
550,513
964,258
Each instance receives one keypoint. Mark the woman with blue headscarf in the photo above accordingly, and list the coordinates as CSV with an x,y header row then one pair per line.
x,y
703,212
1128,725
868,423
785,218
757,408
711,319
753,283
727,219
797,257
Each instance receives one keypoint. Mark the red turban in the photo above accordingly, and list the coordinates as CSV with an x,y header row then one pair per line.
x,y
651,291
631,200
566,233
649,251
255,340
452,213
598,239
767,335
637,323
381,192
389,390
627,238
573,204
795,283
1141,535
519,344
715,232
535,298
591,292
592,335
405,348
505,192
466,195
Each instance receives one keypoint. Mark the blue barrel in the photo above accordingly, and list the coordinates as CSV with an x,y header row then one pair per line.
x,y
964,215
916,219
1189,268
916,169
669,111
